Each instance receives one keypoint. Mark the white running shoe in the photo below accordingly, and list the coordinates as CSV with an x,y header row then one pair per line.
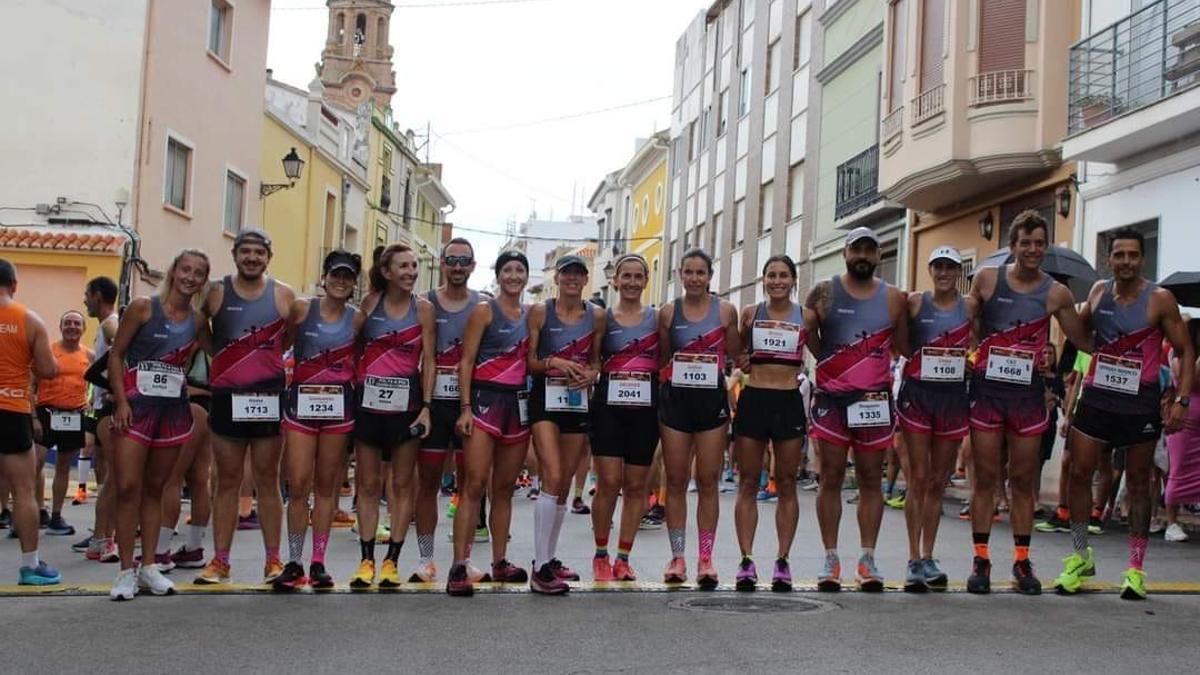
x,y
151,578
1175,533
125,586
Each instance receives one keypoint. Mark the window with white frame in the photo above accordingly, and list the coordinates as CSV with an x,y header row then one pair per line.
x,y
722,111
803,41
220,29
795,205
177,177
744,86
774,54
766,210
235,202
738,229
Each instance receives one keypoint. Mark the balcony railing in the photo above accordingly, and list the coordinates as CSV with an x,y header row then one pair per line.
x,y
1141,59
1001,86
892,125
857,182
929,103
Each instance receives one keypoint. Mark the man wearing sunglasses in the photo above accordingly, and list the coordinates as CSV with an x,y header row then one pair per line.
x,y
452,303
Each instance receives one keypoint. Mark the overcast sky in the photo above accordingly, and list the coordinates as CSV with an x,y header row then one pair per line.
x,y
474,67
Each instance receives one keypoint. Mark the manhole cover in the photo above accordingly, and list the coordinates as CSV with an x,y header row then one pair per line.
x,y
734,604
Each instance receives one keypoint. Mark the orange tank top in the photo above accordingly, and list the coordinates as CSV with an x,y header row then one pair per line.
x,y
68,391
16,356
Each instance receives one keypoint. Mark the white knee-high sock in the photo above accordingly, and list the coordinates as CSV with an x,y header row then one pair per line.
x,y
543,525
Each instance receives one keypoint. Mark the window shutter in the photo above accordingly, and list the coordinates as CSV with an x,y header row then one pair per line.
x,y
899,29
933,22
1002,35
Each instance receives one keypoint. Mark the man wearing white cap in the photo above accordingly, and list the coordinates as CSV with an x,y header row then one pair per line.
x,y
858,321
932,407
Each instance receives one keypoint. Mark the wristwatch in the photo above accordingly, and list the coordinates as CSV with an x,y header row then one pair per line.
x,y
1183,400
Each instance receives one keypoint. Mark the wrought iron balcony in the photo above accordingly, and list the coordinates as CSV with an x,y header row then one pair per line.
x,y
892,125
857,182
929,103
1001,86
1139,60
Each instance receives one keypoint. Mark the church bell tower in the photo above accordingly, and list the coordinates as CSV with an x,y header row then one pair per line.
x,y
356,63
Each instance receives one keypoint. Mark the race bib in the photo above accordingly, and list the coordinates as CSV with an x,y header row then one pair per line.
x,y
698,371
775,336
561,398
385,394
943,364
66,420
255,407
160,380
629,390
320,402
872,410
523,408
445,387
1010,365
1114,373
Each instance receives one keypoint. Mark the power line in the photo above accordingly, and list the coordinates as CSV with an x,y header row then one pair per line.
x,y
488,165
560,118
424,5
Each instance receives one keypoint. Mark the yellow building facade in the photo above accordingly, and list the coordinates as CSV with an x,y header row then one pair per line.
x,y
646,176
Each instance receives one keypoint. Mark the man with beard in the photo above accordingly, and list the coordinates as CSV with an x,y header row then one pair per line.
x,y
857,322
1007,392
248,312
1120,405
452,305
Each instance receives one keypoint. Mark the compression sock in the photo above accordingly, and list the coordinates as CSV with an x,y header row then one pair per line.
x,y
366,548
393,550
980,540
296,545
1079,537
1137,550
425,546
320,543
707,538
678,539
1021,547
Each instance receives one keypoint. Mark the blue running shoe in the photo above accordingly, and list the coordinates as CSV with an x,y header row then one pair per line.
x,y
42,575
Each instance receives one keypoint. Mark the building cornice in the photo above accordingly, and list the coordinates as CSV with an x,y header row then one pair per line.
x,y
856,51
958,169
834,11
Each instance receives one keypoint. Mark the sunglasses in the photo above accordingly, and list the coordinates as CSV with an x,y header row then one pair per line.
x,y
458,260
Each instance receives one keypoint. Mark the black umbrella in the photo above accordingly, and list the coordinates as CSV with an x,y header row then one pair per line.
x,y
1185,286
1065,265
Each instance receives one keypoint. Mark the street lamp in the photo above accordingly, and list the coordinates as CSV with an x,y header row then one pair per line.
x,y
1063,197
292,166
986,226
609,270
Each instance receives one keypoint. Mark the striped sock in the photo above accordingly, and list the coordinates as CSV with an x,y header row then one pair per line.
x,y
678,539
623,549
320,543
425,545
707,538
601,546
1137,550
296,545
1079,537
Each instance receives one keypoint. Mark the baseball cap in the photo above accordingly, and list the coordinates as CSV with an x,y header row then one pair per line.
x,y
861,233
568,260
343,260
945,253
252,233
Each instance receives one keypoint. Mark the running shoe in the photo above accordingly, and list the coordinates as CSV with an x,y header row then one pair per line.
x,y
80,496
602,569
163,560
578,506
452,507
692,486
458,583
1024,580
383,534
728,475
93,552
621,571
808,483
111,553
5,519
319,577
1133,587
897,502
869,578
42,575
676,572
649,523
781,578
59,527
852,499
425,572
1053,524
965,512
477,575
504,572
1075,568
547,581
389,574
249,522
830,578
188,560
342,519
1095,526
125,587
706,575
150,578
1175,533
565,573
533,493
43,519
766,495
1157,525
980,580
291,578
346,490
215,572
935,578
364,577
82,545
272,570
482,534
747,575
914,580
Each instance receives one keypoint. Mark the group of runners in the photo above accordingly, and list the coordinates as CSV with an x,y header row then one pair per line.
x,y
404,379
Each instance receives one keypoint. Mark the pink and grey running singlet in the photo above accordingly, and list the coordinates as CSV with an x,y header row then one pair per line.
x,y
856,343
500,361
777,341
248,337
1016,328
697,348
572,342
389,369
157,357
450,329
939,342
1124,373
629,361
324,351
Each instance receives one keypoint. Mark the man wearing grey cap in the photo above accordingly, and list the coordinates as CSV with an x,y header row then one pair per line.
x,y
857,322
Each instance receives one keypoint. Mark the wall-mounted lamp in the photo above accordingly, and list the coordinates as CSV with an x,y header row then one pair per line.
x,y
986,226
1062,198
292,166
